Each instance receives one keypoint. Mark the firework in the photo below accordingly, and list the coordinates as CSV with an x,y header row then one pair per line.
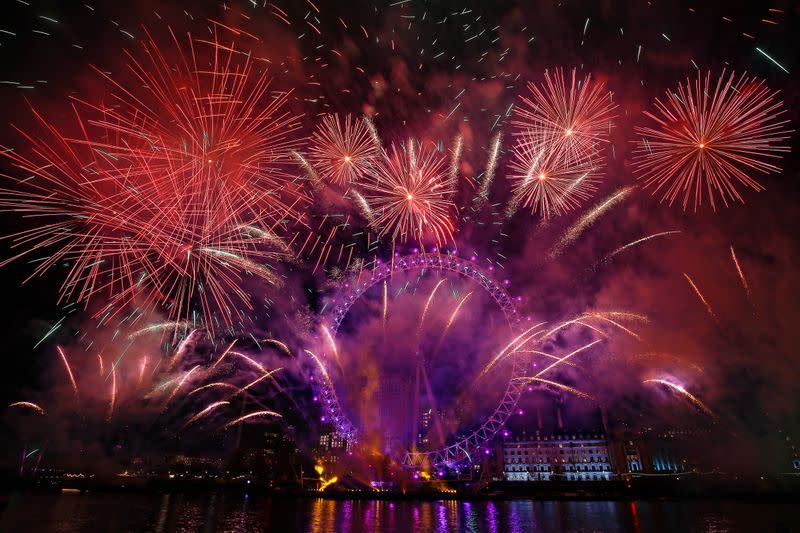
x,y
142,367
204,412
560,387
363,206
450,321
699,294
222,356
68,369
603,316
113,397
174,392
27,405
213,386
160,326
708,139
373,133
265,375
686,394
575,114
427,306
252,362
279,344
589,218
411,196
563,359
252,415
146,203
544,179
455,158
740,272
637,242
224,114
311,173
491,166
342,149
332,343
513,346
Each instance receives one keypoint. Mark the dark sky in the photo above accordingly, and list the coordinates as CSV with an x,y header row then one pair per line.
x,y
490,50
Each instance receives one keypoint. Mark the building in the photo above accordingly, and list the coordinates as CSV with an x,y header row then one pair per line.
x,y
331,445
427,424
570,457
395,398
195,463
671,451
629,453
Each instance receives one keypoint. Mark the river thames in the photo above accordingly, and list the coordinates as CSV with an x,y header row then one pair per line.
x,y
179,513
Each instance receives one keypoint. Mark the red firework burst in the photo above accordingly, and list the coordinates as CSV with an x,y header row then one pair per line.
x,y
708,137
546,179
411,196
209,105
343,150
166,200
576,113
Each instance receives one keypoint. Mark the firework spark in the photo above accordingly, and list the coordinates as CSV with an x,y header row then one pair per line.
x,y
638,242
159,327
252,362
218,384
204,412
28,405
740,272
174,392
491,166
222,355
68,368
689,396
455,158
513,346
266,375
699,294
450,321
560,386
279,344
252,415
113,396
427,306
566,357
577,229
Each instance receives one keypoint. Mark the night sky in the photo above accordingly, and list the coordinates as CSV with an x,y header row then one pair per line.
x,y
435,71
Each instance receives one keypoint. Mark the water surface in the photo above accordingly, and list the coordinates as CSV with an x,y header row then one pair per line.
x,y
179,513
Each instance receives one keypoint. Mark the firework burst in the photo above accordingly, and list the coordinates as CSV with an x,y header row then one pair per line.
x,y
411,195
545,180
571,112
342,150
708,138
167,200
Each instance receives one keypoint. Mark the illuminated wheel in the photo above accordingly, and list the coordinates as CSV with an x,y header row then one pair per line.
x,y
463,448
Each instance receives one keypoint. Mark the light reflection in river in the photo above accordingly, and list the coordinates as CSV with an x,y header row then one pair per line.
x,y
208,513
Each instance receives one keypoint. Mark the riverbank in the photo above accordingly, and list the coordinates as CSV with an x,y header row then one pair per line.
x,y
687,486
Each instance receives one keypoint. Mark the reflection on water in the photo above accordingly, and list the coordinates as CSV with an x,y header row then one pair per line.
x,y
179,513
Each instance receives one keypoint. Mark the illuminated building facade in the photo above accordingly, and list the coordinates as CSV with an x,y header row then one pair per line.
x,y
571,457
